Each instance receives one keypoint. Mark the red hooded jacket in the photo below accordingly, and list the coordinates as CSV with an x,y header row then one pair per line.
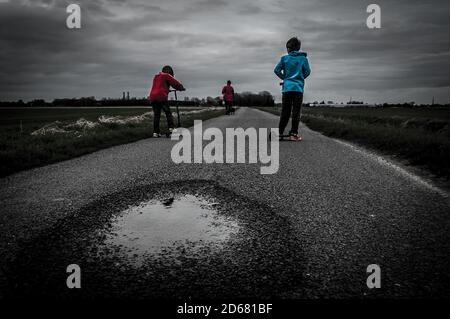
x,y
161,85
228,93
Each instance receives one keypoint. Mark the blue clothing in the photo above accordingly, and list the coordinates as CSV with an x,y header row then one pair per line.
x,y
293,69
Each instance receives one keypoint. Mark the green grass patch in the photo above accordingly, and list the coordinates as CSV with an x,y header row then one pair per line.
x,y
19,150
419,135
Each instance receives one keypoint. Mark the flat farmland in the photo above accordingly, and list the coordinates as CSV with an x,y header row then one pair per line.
x,y
419,136
31,137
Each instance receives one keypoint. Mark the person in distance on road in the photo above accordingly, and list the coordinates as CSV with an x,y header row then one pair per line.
x,y
228,97
293,69
159,98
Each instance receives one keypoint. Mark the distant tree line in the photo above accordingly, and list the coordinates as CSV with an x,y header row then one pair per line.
x,y
263,98
360,104
90,101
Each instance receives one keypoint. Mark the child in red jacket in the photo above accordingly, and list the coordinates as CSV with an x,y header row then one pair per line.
x,y
159,97
228,97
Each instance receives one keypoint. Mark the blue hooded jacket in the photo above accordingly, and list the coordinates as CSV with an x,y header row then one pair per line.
x,y
293,69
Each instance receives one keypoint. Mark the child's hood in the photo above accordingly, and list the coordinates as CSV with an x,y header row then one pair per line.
x,y
297,53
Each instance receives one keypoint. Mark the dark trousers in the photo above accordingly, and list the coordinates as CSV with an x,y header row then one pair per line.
x,y
157,107
229,106
291,103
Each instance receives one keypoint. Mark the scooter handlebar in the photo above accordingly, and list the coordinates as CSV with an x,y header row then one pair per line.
x,y
175,90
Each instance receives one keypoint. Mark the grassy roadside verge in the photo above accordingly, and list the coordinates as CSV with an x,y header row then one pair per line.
x,y
20,150
421,136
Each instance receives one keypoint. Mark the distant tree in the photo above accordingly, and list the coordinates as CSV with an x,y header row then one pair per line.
x,y
37,102
247,98
266,99
210,101
19,103
195,100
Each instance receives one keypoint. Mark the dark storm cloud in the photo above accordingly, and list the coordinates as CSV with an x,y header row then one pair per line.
x,y
123,43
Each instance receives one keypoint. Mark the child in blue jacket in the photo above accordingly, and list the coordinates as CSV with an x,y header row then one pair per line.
x,y
293,69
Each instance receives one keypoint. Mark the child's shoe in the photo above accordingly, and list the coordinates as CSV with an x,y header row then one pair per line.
x,y
156,135
295,137
171,130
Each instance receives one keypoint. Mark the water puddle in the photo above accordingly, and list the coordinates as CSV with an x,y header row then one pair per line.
x,y
163,226
183,240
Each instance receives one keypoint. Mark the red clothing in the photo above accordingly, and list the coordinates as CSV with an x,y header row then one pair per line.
x,y
228,93
161,85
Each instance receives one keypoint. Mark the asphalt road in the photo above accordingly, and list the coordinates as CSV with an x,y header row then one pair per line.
x,y
338,207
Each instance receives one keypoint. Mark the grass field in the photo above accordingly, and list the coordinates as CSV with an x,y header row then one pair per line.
x,y
20,150
421,136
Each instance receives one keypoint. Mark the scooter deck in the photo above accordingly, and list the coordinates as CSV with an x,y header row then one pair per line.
x,y
288,140
165,135
283,138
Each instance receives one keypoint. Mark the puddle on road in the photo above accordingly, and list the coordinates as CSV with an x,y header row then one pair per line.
x,y
155,227
190,239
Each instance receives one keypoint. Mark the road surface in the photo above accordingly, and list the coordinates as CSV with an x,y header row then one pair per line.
x,y
345,209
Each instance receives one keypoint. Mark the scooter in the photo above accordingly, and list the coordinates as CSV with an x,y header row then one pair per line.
x,y
178,112
284,137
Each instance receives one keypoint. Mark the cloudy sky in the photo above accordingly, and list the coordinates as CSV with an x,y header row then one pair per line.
x,y
123,43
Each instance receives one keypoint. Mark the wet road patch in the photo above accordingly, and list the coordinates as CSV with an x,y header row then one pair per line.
x,y
154,227
223,245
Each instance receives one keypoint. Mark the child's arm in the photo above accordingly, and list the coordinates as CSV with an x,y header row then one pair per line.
x,y
306,69
279,69
174,83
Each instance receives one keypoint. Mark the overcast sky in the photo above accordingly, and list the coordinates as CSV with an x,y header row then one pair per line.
x,y
123,43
